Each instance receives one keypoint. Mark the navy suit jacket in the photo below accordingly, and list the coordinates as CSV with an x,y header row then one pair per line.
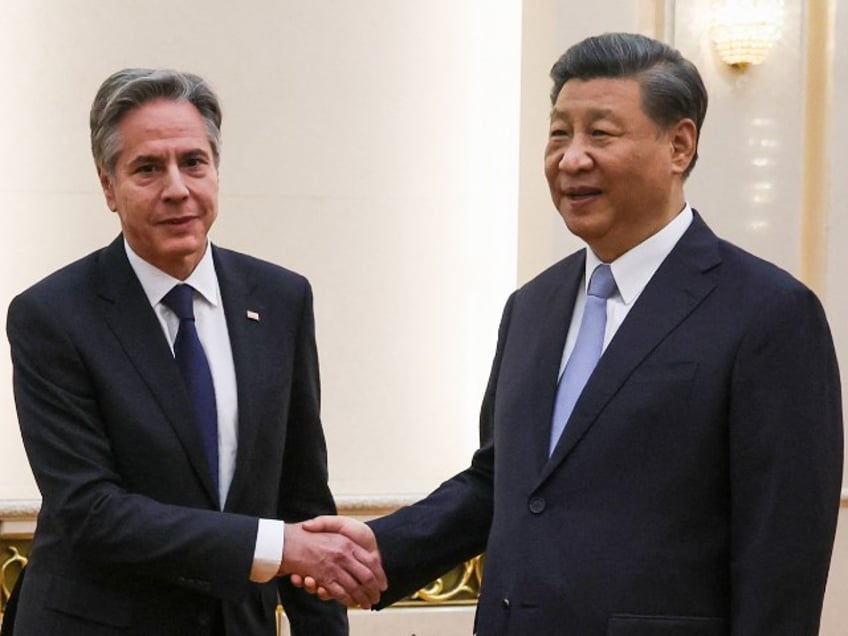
x,y
696,487
130,538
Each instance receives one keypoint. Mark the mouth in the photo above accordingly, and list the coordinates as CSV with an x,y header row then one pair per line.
x,y
581,193
180,220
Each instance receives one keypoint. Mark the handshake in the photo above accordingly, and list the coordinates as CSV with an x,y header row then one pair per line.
x,y
335,558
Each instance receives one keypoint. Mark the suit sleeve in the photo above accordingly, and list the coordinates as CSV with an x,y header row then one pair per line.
x,y
421,542
304,490
84,497
785,436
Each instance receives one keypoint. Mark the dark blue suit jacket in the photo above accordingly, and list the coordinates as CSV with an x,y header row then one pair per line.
x,y
696,487
130,539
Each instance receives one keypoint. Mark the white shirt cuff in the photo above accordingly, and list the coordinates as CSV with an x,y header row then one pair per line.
x,y
268,554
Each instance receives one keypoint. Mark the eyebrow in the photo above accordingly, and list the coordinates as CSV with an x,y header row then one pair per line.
x,y
594,113
158,158
140,159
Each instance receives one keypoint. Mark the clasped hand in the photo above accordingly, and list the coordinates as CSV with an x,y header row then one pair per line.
x,y
335,558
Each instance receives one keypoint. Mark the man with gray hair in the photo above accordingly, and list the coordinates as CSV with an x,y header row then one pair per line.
x,y
168,398
661,435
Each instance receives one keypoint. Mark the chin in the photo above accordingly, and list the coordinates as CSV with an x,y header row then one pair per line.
x,y
581,226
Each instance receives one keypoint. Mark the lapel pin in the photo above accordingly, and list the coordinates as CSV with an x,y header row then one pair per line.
x,y
253,315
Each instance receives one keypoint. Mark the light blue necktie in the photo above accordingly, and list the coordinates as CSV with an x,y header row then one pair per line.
x,y
587,350
194,368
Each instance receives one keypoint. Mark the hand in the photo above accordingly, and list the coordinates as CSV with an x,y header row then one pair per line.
x,y
338,557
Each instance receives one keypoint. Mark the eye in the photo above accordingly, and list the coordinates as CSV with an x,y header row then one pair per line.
x,y
194,162
601,132
559,132
146,168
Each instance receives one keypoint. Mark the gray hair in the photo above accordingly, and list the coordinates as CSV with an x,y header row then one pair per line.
x,y
672,88
129,89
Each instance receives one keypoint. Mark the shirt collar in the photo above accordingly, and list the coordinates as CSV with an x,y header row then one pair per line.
x,y
157,283
633,269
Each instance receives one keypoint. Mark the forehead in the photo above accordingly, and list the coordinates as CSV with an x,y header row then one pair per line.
x,y
163,121
601,94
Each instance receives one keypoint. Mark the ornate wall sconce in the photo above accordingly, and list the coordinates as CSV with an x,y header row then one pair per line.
x,y
744,31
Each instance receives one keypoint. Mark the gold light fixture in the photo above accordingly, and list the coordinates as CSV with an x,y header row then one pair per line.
x,y
744,31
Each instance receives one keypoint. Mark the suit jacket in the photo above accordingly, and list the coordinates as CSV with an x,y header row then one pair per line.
x,y
130,538
696,487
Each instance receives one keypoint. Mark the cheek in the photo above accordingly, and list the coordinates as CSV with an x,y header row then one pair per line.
x,y
551,169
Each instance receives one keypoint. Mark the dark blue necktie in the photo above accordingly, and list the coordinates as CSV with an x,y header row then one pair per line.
x,y
194,367
587,350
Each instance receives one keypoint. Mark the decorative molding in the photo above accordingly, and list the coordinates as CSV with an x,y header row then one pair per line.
x,y
349,505
815,159
460,586
368,506
19,508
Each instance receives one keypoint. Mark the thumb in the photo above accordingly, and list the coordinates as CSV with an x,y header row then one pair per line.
x,y
324,523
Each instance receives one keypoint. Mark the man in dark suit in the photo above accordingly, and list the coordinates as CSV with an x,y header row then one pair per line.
x,y
692,488
169,503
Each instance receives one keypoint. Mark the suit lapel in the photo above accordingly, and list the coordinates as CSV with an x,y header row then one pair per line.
x,y
680,284
238,295
553,312
134,323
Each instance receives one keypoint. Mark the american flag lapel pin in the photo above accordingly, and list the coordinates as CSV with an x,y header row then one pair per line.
x,y
252,315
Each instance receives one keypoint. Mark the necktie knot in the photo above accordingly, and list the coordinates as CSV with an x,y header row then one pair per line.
x,y
180,301
602,283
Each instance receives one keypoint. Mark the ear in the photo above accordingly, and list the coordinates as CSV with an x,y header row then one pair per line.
x,y
683,137
108,188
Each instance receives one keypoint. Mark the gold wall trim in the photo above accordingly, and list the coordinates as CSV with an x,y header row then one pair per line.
x,y
460,586
818,39
654,17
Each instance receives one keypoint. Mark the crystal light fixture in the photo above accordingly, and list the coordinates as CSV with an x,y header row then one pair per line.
x,y
744,31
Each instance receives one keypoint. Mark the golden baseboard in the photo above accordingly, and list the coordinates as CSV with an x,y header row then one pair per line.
x,y
460,586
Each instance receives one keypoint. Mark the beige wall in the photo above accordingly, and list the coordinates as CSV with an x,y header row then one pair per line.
x,y
370,145
391,150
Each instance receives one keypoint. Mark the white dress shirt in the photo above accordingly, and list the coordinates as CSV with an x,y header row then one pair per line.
x,y
632,271
212,330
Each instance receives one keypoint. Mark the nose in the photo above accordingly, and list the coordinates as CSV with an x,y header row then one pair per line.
x,y
575,157
175,188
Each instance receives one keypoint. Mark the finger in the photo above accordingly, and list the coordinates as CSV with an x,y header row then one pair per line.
x,y
324,523
358,532
373,562
310,585
336,591
297,581
348,590
368,581
369,575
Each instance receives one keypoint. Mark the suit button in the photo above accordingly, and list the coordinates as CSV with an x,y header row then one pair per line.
x,y
537,505
204,619
505,603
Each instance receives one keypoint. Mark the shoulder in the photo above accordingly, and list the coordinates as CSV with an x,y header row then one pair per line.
x,y
230,262
67,301
568,270
766,289
736,268
74,282
247,276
